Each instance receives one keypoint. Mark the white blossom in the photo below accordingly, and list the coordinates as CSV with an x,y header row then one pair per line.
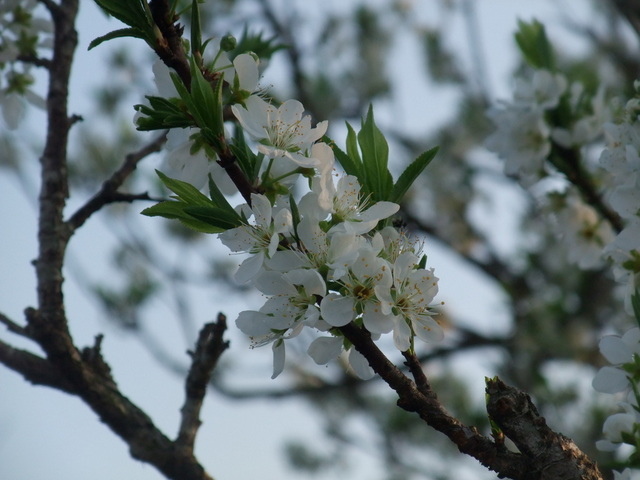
x,y
281,132
261,239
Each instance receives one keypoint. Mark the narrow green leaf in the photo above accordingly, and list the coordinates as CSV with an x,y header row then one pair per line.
x,y
196,32
167,209
185,191
352,148
375,156
536,49
216,217
295,215
175,210
218,198
123,32
350,166
635,304
410,174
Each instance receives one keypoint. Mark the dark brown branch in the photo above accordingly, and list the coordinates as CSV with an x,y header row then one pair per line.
x,y
209,347
13,327
553,456
33,368
170,48
423,401
108,193
35,60
545,454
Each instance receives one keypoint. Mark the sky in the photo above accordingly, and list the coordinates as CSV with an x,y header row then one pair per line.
x,y
47,434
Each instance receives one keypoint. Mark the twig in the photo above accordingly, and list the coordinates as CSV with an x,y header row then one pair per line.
x,y
108,192
35,60
34,369
13,327
209,347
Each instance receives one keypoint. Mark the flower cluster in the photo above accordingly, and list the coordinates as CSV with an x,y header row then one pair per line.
x,y
523,135
624,375
328,259
621,159
327,266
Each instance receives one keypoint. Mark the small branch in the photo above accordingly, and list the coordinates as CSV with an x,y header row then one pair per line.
x,y
209,347
423,401
170,48
108,193
419,377
34,369
35,60
13,327
229,162
551,454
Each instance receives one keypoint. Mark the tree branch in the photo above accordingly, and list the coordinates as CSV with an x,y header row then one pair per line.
x,y
539,459
552,455
108,192
13,327
209,347
33,368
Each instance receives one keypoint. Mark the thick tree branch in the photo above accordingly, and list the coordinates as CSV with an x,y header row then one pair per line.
x,y
87,373
108,193
209,347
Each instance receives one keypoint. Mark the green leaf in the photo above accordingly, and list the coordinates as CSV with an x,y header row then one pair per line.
x,y
123,32
218,198
206,105
352,151
185,191
350,166
196,31
375,156
215,217
635,304
134,13
167,209
162,113
534,45
410,174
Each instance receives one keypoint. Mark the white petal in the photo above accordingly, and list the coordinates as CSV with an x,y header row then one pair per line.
x,y
337,310
379,211
247,71
252,323
325,349
375,320
274,283
614,349
401,334
610,380
360,365
278,357
427,329
311,280
248,269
